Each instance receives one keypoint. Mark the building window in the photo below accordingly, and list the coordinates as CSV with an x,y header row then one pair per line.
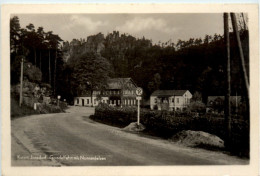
x,y
172,100
87,101
77,101
118,102
177,100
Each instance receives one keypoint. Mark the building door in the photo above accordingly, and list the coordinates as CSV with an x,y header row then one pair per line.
x,y
82,102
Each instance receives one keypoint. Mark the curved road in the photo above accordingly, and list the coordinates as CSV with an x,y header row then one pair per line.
x,y
72,138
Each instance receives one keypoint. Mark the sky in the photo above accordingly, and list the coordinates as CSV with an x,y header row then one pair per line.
x,y
156,27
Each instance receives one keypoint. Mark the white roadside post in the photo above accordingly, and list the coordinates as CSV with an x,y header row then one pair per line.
x,y
139,92
59,100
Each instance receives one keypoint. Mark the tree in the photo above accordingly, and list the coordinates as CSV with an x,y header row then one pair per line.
x,y
197,96
197,107
53,42
155,83
15,32
32,40
91,72
42,45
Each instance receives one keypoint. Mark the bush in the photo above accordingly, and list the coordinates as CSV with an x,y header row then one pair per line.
x,y
63,105
165,123
26,109
46,108
197,106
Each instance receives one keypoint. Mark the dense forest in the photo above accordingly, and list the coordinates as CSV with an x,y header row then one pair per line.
x,y
70,68
40,51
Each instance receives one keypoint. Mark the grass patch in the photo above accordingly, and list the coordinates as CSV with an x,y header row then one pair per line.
x,y
24,110
17,111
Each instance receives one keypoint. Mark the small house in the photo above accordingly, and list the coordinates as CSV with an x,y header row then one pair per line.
x,y
216,104
170,99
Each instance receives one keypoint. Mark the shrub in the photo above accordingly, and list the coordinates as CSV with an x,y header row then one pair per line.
x,y
197,106
44,108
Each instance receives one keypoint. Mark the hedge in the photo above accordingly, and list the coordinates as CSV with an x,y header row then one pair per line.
x,y
165,124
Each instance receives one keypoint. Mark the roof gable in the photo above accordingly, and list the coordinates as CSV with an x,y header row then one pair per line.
x,y
169,92
121,83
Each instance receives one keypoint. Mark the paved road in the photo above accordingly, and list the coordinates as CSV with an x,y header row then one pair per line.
x,y
76,140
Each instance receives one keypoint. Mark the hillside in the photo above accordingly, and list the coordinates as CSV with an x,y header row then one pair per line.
x,y
196,64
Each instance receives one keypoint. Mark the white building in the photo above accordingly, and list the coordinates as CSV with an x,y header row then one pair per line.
x,y
170,99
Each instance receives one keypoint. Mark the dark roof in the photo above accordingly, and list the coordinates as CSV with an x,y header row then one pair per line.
x,y
232,98
222,98
119,83
115,83
168,92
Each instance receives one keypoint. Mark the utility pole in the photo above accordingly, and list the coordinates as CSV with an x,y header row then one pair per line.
x,y
21,84
50,66
242,60
55,71
241,54
228,90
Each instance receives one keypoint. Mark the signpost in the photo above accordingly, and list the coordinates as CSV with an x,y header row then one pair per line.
x,y
59,100
139,92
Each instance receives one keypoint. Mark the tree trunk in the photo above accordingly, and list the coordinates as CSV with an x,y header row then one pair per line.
x,y
54,77
40,60
228,87
49,66
21,84
35,59
91,99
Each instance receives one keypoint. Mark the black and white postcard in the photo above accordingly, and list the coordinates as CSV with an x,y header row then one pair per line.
x,y
130,89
